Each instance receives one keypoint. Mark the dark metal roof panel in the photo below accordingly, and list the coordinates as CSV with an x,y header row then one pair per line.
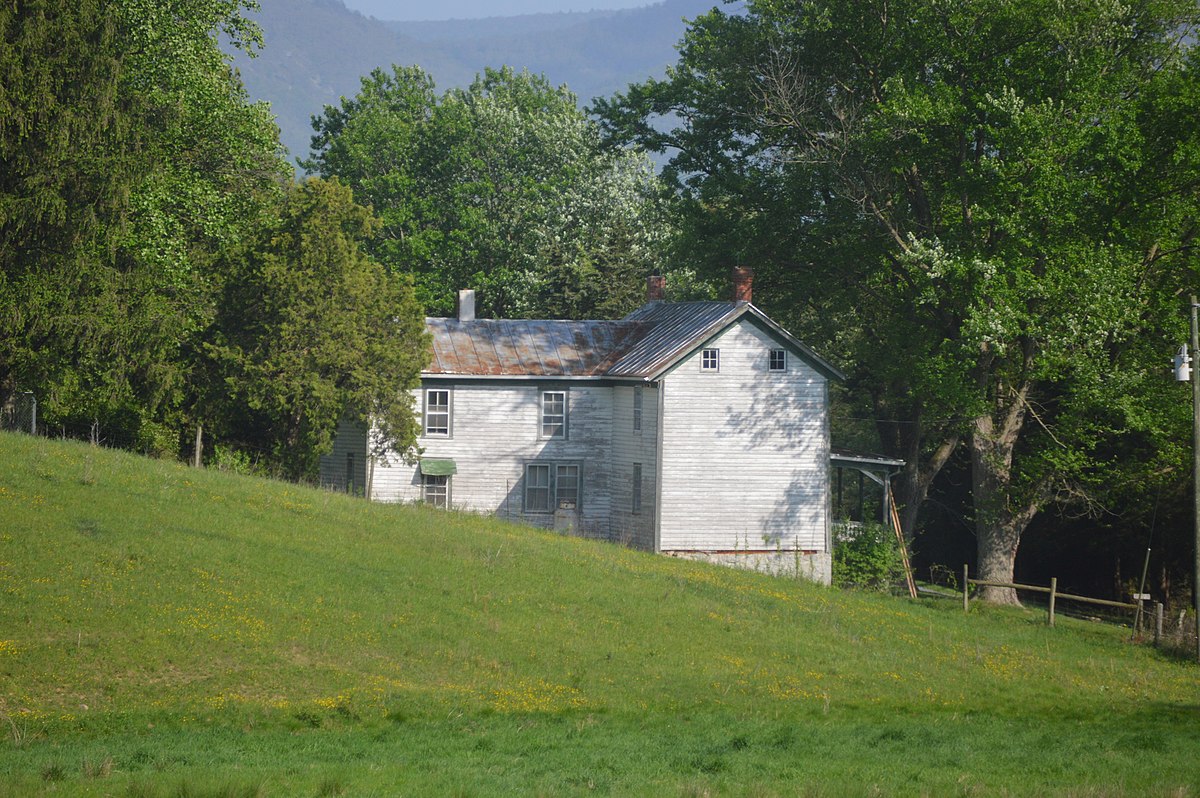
x,y
670,329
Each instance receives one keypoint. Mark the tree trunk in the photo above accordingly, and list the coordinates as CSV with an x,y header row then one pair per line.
x,y
1000,519
904,437
915,480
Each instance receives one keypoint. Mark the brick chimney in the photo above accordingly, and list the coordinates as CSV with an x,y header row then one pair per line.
x,y
655,287
743,284
466,305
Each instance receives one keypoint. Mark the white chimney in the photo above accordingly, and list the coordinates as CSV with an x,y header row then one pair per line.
x,y
466,305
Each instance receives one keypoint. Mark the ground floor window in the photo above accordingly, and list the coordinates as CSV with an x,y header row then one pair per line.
x,y
435,490
552,486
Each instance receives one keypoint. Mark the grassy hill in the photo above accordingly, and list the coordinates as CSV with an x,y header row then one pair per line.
x,y
166,631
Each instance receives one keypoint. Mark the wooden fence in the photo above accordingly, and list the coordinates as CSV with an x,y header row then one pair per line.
x,y
1055,594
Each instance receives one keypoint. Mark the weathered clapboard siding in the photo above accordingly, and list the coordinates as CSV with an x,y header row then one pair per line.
x,y
632,446
745,463
345,467
734,463
495,430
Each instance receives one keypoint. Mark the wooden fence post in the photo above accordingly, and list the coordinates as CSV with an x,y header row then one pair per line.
x,y
966,586
1158,622
1053,590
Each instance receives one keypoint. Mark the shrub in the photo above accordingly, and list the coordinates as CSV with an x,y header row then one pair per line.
x,y
865,556
225,458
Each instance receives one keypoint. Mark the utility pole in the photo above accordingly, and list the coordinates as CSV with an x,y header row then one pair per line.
x,y
1196,472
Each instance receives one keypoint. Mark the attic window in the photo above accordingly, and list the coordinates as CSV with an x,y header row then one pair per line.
x,y
777,360
710,360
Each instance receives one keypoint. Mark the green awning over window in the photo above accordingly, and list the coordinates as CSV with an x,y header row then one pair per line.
x,y
438,468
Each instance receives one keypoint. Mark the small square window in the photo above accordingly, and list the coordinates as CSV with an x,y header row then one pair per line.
x,y
710,360
778,360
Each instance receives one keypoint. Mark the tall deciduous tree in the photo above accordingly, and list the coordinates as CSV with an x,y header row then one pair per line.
x,y
503,187
311,329
986,207
215,175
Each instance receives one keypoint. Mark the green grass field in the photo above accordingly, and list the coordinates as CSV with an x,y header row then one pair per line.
x,y
172,632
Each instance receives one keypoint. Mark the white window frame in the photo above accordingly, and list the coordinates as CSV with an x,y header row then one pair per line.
x,y
561,420
771,360
426,413
710,359
638,403
556,475
435,490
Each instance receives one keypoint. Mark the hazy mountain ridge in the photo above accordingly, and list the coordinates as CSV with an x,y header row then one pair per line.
x,y
316,51
491,27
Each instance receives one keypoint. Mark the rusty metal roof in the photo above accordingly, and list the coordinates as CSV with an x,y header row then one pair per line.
x,y
642,345
526,347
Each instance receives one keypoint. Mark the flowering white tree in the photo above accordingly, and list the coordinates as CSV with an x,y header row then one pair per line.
x,y
505,187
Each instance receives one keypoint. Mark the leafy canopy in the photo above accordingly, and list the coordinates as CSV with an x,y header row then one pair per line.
x,y
503,186
985,208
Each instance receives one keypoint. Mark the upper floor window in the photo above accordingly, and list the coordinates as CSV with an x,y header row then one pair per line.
x,y
710,360
554,414
437,412
637,408
777,360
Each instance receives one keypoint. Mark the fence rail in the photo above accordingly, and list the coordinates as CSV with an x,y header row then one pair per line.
x,y
1054,594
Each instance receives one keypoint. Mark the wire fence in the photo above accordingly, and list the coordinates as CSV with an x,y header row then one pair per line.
x,y
19,413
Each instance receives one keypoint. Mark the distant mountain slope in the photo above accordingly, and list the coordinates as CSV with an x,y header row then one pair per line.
x,y
459,29
316,51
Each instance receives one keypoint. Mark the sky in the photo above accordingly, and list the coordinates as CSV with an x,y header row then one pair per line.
x,y
410,10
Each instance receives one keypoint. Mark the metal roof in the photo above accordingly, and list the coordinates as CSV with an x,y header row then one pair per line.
x,y
643,345
845,457
525,347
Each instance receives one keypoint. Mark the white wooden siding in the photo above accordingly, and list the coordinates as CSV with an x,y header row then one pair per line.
x,y
495,433
632,446
745,462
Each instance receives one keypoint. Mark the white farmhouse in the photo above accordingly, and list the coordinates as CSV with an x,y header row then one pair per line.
x,y
694,429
